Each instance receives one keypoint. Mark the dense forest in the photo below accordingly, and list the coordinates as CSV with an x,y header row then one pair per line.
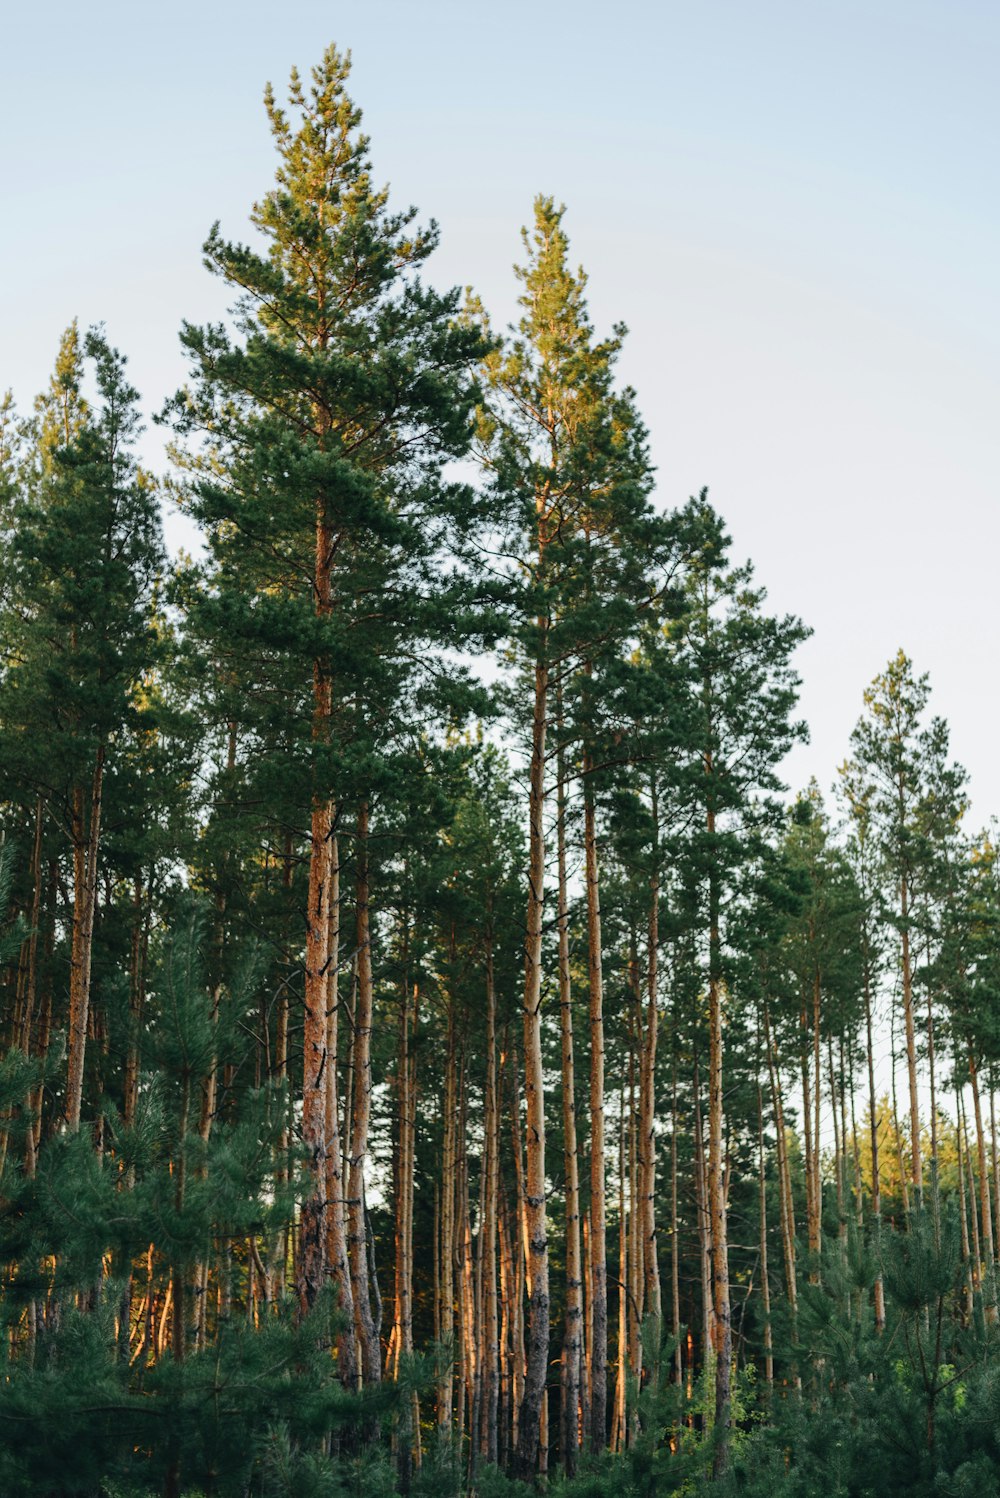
x,y
439,1054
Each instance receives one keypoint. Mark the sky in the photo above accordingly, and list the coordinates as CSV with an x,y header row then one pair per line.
x,y
793,206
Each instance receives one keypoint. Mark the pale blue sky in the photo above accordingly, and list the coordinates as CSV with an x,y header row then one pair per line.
x,y
793,205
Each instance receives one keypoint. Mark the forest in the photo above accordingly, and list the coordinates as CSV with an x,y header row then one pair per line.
x,y
440,1054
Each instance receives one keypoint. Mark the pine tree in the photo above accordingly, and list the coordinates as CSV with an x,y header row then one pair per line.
x,y
745,686
892,756
86,556
567,458
332,419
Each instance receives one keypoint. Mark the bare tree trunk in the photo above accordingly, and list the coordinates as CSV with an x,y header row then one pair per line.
x,y
977,1257
371,1362
989,1282
935,1184
488,1231
507,1334
286,1254
704,1213
45,1023
446,1313
839,1142
598,1231
28,1013
529,1417
720,1245
619,1417
895,1122
765,1284
647,1100
911,1043
785,1197
817,1099
873,1110
311,1264
86,846
336,1228
995,1160
675,1246
571,1350
809,1146
963,1215
401,1344
634,1285
467,1342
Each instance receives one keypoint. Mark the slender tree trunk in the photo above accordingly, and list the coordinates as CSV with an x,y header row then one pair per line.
x,y
446,1314
371,1362
989,1259
311,1266
598,1229
402,1335
817,1100
963,1216
911,1045
995,1160
287,1257
765,1284
808,1116
873,1111
571,1350
785,1197
647,1098
895,1123
619,1419
839,1143
28,1015
336,1228
704,1213
935,1184
587,1329
977,1257
529,1416
45,1023
720,1244
488,1250
675,1246
86,846
467,1341
634,1284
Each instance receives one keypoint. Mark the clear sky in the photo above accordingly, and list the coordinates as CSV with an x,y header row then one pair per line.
x,y
793,205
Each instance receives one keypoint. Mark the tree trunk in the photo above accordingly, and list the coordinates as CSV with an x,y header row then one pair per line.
x,y
720,1245
367,1334
675,1246
311,1266
86,846
529,1416
723,1343
446,1252
704,1215
336,1228
785,1197
647,1101
962,1212
873,1108
989,1259
488,1231
765,1284
598,1228
571,1350
812,1234
911,1045
619,1415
